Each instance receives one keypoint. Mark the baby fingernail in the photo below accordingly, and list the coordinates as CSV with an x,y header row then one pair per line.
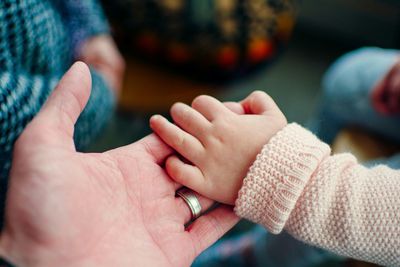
x,y
155,118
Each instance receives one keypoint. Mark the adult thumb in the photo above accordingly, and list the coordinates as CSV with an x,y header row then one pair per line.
x,y
63,107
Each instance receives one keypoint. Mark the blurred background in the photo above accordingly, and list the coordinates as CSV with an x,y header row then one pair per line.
x,y
177,49
314,35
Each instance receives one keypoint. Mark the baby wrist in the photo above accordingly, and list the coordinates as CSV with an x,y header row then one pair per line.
x,y
277,178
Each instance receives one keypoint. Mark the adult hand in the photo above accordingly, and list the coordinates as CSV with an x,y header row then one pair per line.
x,y
116,208
386,94
102,53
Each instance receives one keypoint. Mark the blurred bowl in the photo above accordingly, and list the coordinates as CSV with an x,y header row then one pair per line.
x,y
211,40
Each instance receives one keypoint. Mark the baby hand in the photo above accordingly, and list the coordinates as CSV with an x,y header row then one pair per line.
x,y
220,144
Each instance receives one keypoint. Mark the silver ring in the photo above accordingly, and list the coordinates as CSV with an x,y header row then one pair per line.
x,y
191,200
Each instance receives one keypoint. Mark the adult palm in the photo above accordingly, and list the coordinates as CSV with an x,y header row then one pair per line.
x,y
119,208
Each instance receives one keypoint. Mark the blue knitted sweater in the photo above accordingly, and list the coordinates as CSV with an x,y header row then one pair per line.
x,y
38,41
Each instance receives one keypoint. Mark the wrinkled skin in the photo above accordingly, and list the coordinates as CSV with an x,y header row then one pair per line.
x,y
116,208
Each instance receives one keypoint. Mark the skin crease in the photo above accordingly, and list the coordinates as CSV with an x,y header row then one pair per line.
x,y
102,53
220,144
116,208
385,95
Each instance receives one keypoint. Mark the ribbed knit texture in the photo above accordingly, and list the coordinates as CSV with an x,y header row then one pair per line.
x,y
327,201
36,48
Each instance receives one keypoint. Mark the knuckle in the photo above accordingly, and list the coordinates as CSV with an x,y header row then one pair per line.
x,y
221,130
179,140
223,124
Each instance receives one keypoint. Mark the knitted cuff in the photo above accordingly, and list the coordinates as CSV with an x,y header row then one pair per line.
x,y
277,178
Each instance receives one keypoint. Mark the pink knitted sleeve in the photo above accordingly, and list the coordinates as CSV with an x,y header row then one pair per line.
x,y
327,201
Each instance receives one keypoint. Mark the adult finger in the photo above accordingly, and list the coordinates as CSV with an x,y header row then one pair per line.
x,y
184,210
151,145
